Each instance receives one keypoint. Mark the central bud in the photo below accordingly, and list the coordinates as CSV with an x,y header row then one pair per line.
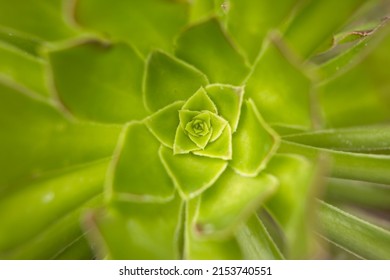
x,y
197,127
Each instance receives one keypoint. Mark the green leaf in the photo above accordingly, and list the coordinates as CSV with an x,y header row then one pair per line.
x,y
148,24
279,87
137,171
219,125
200,101
183,144
353,234
191,174
37,139
20,41
359,193
198,248
291,203
33,18
128,230
23,69
93,87
255,241
311,27
37,206
250,20
370,140
201,9
206,46
361,167
254,142
220,148
220,214
161,86
228,100
163,123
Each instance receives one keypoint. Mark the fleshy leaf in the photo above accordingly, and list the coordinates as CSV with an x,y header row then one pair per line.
x,y
163,123
311,26
92,86
161,86
20,41
218,124
200,101
291,204
253,143
50,199
183,144
138,174
191,174
255,241
36,138
220,214
128,231
34,18
23,68
355,235
206,46
198,248
250,20
141,23
228,100
220,148
280,88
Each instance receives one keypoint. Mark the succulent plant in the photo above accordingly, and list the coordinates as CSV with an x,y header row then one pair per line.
x,y
203,129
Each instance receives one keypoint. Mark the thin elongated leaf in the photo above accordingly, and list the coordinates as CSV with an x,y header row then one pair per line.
x,y
78,250
137,171
255,241
353,234
34,18
161,86
279,87
128,230
361,167
312,26
49,199
219,214
358,193
254,143
23,68
20,41
207,47
37,139
198,248
93,87
251,29
291,203
147,24
374,139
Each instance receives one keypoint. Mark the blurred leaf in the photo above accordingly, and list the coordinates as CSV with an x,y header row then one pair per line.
x,y
127,231
161,85
78,250
37,139
201,9
147,24
22,68
30,210
137,171
353,234
291,203
356,192
191,174
197,247
26,44
317,21
219,214
361,167
40,18
255,241
207,47
279,87
249,21
93,87
368,140
249,157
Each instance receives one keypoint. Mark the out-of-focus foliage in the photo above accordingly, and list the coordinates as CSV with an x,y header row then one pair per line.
x,y
202,129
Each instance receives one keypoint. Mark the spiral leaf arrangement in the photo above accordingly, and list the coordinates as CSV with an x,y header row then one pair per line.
x,y
203,129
